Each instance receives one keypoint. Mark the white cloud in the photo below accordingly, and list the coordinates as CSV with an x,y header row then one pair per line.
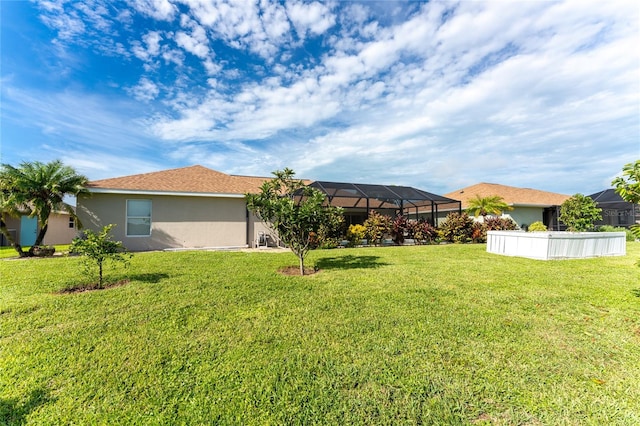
x,y
310,17
145,90
158,9
152,41
490,90
196,41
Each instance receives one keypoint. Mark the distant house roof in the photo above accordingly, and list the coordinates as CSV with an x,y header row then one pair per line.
x,y
190,180
511,195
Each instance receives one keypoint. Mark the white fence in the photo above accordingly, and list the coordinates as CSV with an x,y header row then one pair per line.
x,y
556,245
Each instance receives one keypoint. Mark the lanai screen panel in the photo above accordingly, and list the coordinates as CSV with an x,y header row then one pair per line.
x,y
381,196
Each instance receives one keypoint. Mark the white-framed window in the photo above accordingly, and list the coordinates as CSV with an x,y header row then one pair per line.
x,y
138,218
72,223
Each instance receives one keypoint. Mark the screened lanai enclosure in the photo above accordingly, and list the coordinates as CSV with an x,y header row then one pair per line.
x,y
358,200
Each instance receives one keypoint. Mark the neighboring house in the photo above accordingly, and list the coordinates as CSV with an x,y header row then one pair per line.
x,y
190,207
615,210
529,205
196,207
24,230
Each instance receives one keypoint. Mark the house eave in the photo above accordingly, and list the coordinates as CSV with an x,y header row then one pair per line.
x,y
163,193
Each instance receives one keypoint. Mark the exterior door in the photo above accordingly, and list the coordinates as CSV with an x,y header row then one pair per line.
x,y
28,230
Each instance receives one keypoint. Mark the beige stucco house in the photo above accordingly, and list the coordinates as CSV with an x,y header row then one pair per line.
x,y
529,205
24,229
190,207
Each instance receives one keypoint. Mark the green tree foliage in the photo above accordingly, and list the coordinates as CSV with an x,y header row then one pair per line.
x,y
483,206
37,189
628,186
330,233
97,248
294,211
580,213
377,226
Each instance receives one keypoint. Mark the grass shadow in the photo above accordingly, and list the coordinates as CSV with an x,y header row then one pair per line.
x,y
145,278
152,278
636,292
15,412
350,262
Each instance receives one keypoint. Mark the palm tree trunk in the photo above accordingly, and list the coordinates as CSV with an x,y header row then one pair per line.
x,y
39,238
9,237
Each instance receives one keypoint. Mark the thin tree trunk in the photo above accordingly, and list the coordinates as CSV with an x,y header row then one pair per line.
x,y
301,264
100,275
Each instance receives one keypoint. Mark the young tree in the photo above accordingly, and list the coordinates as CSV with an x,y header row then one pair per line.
x,y
37,189
98,248
294,211
580,213
483,206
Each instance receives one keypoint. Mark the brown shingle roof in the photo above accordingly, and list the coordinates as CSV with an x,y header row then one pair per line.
x,y
512,195
194,179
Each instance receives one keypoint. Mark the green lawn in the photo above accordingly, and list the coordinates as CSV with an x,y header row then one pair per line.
x,y
9,252
397,335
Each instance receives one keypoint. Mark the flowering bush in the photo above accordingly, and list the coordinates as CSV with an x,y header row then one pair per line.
x,y
355,234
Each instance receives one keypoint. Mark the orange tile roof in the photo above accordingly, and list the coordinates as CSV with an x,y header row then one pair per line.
x,y
512,195
195,179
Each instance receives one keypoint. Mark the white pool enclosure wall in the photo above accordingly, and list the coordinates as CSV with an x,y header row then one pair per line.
x,y
556,245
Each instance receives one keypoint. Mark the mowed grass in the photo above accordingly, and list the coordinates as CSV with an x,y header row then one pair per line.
x,y
395,335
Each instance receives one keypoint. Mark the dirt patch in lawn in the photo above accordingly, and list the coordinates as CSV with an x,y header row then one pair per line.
x,y
295,270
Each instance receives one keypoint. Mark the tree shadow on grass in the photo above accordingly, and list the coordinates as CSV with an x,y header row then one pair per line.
x,y
15,412
350,262
153,278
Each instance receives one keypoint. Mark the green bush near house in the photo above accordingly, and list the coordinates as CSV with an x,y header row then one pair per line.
x,y
434,334
537,227
610,228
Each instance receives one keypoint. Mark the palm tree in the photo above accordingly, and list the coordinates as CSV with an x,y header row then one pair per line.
x,y
38,189
483,206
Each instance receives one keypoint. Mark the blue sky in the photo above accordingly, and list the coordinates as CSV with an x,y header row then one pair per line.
x,y
436,95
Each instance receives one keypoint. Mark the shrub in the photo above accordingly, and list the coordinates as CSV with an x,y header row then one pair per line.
x,y
500,224
478,232
610,228
421,231
457,228
355,234
398,228
377,226
537,227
